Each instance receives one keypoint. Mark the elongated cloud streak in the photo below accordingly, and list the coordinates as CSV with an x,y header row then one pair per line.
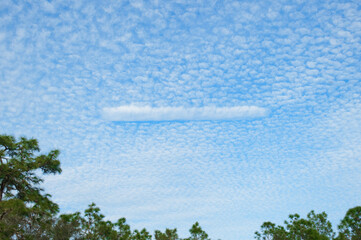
x,y
146,113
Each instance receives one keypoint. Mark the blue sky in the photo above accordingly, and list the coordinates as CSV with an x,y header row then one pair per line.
x,y
229,113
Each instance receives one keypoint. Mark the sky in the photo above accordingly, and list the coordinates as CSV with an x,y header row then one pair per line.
x,y
229,113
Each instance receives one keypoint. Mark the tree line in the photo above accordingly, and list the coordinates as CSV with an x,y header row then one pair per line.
x,y
28,213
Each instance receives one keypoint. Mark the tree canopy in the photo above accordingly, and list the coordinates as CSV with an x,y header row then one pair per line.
x,y
27,212
314,227
350,226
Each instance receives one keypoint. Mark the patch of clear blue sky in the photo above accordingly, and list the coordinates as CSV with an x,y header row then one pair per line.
x,y
63,62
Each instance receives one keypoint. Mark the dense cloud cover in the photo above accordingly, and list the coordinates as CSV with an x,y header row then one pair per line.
x,y
100,80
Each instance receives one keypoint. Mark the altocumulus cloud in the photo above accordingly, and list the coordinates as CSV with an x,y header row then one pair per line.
x,y
133,113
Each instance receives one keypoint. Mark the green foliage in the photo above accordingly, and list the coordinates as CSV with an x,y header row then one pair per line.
x,y
93,226
18,165
25,211
169,234
271,231
67,226
314,227
12,211
350,226
141,235
197,233
124,232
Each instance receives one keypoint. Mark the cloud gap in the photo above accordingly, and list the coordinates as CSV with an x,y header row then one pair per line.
x,y
131,113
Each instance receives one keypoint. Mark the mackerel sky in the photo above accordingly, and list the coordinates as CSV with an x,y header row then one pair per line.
x,y
225,112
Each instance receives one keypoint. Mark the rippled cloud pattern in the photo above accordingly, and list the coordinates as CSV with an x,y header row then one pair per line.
x,y
230,113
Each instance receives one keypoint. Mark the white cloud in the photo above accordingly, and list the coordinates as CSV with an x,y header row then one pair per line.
x,y
133,113
59,69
